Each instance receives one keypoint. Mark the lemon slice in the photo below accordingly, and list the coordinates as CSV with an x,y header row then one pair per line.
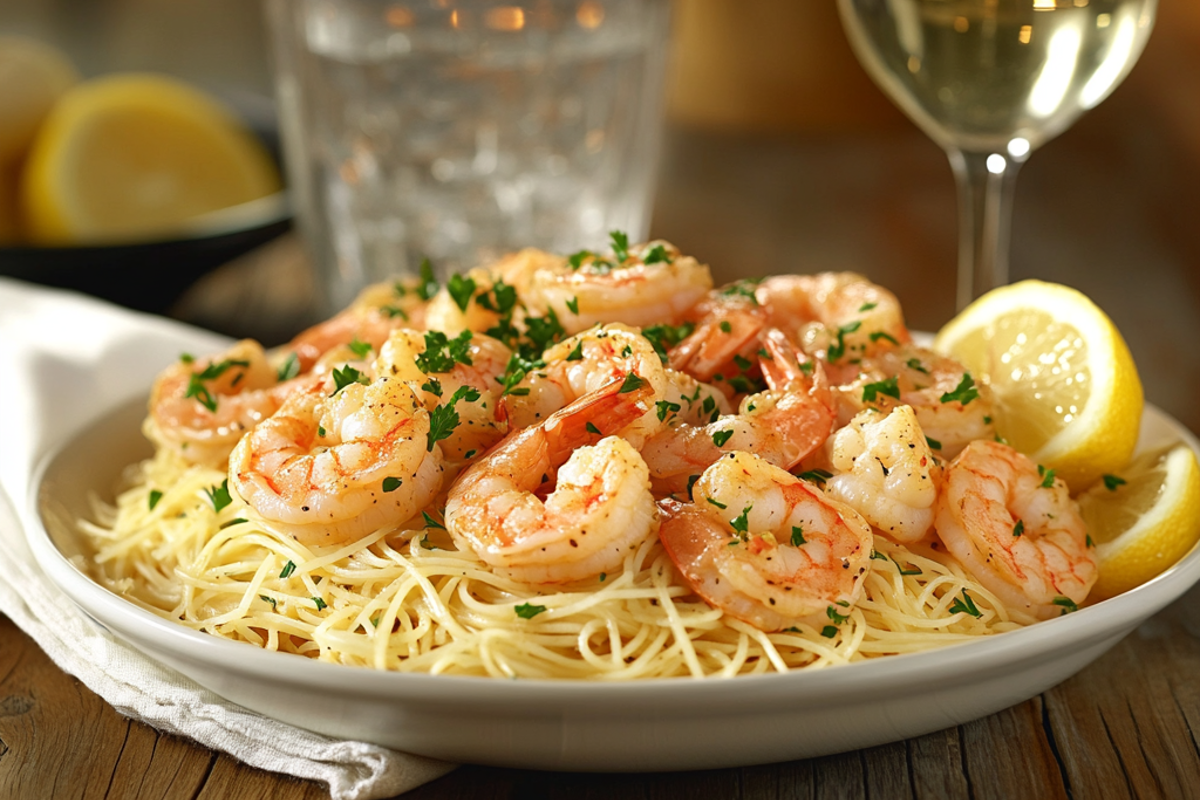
x,y
135,156
1066,390
1145,524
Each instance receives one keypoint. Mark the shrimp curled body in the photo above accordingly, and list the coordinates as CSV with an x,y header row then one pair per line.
x,y
766,547
600,506
1020,535
331,469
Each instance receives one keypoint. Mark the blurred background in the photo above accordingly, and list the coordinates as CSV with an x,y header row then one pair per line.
x,y
781,155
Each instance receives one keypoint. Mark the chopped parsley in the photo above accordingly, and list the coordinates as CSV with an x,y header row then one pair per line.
x,y
288,569
798,536
664,337
655,255
1019,528
442,353
741,523
391,484
428,285
430,522
1047,477
155,496
815,475
664,407
721,437
576,353
321,605
196,381
838,348
743,289
620,245
461,290
866,307
632,384
915,363
889,387
346,376
964,393
1111,482
834,616
717,503
590,428
219,495
289,369
573,305
1068,605
875,336
965,604
443,419
528,610
934,444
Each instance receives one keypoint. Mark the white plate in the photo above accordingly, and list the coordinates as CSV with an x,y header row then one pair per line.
x,y
670,724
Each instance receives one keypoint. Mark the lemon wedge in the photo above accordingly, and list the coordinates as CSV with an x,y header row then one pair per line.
x,y
135,156
1143,519
1066,390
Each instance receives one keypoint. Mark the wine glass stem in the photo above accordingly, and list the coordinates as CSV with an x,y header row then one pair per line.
x,y
984,215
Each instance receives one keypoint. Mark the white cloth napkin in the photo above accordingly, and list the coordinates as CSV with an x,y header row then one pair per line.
x,y
65,359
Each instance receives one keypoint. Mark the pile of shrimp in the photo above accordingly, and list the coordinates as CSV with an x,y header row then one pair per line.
x,y
593,466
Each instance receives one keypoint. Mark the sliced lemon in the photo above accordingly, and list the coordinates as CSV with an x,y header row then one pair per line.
x,y
1066,390
135,156
1143,519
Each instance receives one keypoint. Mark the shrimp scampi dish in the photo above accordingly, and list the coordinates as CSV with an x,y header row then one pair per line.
x,y
595,466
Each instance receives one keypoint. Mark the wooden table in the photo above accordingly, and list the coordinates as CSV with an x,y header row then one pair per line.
x,y
1109,207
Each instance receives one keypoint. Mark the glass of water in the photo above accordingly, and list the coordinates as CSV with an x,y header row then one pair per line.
x,y
459,130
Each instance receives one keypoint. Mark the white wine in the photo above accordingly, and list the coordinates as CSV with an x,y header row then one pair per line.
x,y
982,75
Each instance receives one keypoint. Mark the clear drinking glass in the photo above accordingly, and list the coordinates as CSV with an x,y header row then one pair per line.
x,y
459,130
989,81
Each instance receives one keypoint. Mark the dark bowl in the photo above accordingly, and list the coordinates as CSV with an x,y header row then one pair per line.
x,y
149,276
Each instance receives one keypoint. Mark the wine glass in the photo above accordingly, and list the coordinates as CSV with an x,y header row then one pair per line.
x,y
989,81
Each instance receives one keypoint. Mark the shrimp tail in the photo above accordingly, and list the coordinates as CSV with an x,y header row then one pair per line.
x,y
596,415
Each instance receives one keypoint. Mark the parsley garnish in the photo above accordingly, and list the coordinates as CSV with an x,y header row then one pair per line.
x,y
359,348
1019,528
964,393
877,556
528,610
664,407
590,428
721,437
430,522
965,604
877,335
1111,482
198,390
833,615
1068,605
866,307
345,376
889,386
741,523
442,353
576,353
391,484
461,290
934,444
717,503
321,606
433,386
1047,476
267,599
573,305
743,288
428,286
155,496
443,419
655,255
289,369
632,384
288,569
798,536
691,482
816,475
620,246
829,631
915,363
665,337
219,495
838,348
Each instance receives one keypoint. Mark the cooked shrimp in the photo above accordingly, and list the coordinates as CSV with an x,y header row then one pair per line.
x,y
652,284
886,472
376,312
438,367
330,469
580,365
834,315
782,424
727,324
766,547
951,407
600,506
201,408
1016,530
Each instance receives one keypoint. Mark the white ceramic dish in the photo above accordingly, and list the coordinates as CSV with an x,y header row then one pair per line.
x,y
653,725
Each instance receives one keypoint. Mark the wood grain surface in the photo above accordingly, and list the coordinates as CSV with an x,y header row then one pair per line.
x,y
1109,207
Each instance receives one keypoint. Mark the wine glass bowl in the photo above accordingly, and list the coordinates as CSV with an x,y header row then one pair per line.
x,y
990,81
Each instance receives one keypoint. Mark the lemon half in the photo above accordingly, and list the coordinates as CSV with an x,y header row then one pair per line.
x,y
1143,519
1067,392
135,156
